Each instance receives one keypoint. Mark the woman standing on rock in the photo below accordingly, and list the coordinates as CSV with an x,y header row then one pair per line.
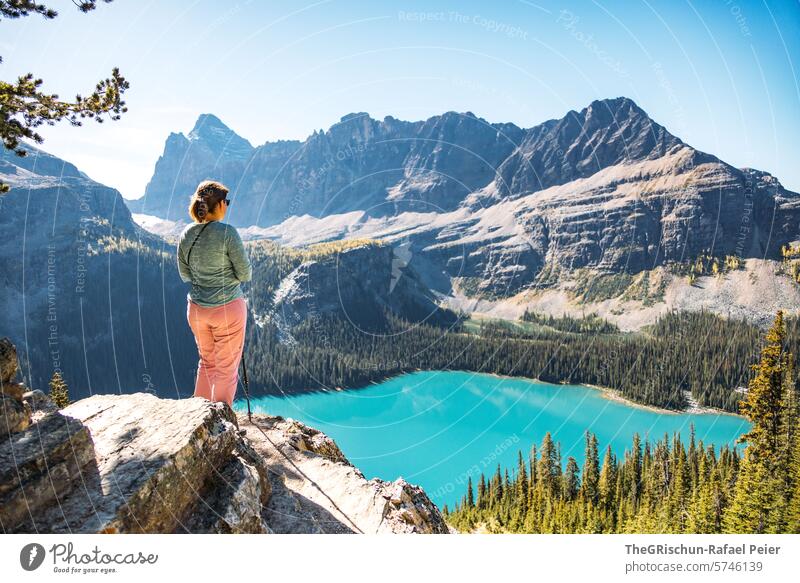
x,y
212,258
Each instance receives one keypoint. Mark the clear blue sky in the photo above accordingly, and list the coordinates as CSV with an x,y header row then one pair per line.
x,y
723,75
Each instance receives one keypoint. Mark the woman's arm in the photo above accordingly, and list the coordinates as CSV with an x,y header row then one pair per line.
x,y
183,266
238,256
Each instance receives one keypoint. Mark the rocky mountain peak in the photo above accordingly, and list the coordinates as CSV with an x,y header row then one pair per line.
x,y
210,129
568,190
355,115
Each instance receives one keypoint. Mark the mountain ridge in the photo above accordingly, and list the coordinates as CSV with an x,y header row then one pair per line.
x,y
605,187
361,126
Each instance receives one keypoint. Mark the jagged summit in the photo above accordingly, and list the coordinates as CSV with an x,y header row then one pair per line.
x,y
210,128
209,120
349,116
438,161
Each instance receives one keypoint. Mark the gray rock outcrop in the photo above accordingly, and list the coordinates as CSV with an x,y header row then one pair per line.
x,y
316,490
360,284
140,464
8,361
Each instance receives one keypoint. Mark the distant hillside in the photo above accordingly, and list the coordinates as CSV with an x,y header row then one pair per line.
x,y
83,289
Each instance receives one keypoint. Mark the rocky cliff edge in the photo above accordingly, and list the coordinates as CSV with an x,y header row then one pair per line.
x,y
138,463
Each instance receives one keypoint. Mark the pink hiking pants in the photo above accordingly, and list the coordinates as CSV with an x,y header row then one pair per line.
x,y
219,333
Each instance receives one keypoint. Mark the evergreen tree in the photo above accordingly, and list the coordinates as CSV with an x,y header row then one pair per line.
x,y
25,107
705,513
549,470
767,395
59,391
754,503
607,487
635,469
571,480
498,485
482,499
591,470
793,515
522,485
764,487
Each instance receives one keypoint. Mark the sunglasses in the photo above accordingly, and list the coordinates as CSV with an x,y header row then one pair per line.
x,y
226,201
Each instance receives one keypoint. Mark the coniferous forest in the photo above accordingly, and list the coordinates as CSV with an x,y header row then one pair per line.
x,y
684,355
697,354
663,487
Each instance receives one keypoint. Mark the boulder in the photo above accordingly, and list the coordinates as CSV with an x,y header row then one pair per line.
x,y
14,416
41,466
305,438
39,402
156,464
316,490
408,508
14,390
235,503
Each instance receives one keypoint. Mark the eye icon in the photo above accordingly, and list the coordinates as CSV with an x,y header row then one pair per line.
x,y
31,556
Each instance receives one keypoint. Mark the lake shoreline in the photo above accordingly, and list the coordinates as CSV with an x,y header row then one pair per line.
x,y
615,395
606,392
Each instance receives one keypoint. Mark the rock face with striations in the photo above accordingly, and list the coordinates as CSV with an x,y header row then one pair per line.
x,y
605,188
134,463
359,283
140,464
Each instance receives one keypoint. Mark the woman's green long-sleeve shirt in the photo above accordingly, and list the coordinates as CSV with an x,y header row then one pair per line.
x,y
217,266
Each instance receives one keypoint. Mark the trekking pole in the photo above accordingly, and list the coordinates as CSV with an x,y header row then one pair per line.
x,y
246,388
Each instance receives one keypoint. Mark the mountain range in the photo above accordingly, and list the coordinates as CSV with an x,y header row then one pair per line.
x,y
489,207
374,225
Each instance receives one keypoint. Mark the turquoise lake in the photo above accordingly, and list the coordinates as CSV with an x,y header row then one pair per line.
x,y
437,428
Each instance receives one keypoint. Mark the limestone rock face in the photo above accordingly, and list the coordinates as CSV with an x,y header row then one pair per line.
x,y
140,464
316,490
360,284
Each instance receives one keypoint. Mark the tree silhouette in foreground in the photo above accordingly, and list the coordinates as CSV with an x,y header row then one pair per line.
x,y
25,107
